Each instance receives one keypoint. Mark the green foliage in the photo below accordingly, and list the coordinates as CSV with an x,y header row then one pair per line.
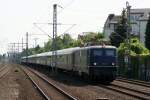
x,y
135,46
119,35
59,43
139,56
122,27
91,37
116,39
77,43
147,34
66,41
48,45
32,51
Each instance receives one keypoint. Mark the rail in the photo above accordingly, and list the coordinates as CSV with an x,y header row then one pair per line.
x,y
51,84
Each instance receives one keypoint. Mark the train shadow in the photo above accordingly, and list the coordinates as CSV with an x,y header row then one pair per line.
x,y
68,78
65,78
71,79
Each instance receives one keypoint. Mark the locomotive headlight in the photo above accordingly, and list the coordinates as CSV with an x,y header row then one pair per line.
x,y
95,63
113,64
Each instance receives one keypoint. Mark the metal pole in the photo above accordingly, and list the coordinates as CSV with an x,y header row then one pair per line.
x,y
26,47
18,53
14,52
139,31
35,40
54,45
22,45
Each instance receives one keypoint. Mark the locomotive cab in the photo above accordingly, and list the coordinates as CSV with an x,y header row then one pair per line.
x,y
102,63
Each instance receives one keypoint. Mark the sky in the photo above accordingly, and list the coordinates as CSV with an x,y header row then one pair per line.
x,y
18,17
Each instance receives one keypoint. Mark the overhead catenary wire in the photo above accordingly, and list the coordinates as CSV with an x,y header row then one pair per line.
x,y
36,25
65,6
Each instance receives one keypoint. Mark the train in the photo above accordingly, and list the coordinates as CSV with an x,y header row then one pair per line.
x,y
94,62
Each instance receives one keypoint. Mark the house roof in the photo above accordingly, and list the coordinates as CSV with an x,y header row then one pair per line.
x,y
143,18
141,10
145,11
113,18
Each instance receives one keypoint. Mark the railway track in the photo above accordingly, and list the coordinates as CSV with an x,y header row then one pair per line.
x,y
128,91
114,87
45,90
3,71
137,82
2,66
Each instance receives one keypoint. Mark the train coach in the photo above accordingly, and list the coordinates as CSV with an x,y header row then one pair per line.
x,y
95,62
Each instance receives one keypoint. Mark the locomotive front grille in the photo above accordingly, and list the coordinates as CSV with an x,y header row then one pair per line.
x,y
102,70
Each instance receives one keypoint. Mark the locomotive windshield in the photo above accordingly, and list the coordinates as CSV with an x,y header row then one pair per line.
x,y
97,52
104,52
110,52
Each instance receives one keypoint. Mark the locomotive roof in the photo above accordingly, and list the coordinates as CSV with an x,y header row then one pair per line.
x,y
68,51
99,46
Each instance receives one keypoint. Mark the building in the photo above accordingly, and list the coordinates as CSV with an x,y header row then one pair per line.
x,y
110,25
138,20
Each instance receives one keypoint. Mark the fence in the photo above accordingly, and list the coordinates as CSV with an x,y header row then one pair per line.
x,y
139,67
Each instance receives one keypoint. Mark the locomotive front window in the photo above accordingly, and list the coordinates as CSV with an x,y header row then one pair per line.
x,y
97,52
110,52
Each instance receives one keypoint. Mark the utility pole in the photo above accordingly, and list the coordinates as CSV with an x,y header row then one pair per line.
x,y
139,30
27,47
54,44
128,7
22,45
35,39
15,51
18,53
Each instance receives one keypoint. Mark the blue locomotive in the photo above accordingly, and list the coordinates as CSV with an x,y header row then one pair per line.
x,y
94,62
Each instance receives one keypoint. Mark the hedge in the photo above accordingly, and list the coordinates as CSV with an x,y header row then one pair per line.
x,y
139,67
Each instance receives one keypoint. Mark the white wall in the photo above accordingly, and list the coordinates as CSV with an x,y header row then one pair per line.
x,y
142,31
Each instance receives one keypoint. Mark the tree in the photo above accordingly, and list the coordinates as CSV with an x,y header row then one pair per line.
x,y
67,41
116,39
48,46
91,37
136,48
59,43
38,49
119,35
147,34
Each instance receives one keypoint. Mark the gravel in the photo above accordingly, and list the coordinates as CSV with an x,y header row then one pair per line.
x,y
16,86
133,86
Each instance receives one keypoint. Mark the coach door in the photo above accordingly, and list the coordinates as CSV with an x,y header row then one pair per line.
x,y
73,61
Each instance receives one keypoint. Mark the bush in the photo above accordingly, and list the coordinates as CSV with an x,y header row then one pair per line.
x,y
135,48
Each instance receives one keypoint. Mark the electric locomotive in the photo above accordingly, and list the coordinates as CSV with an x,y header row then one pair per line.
x,y
96,62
